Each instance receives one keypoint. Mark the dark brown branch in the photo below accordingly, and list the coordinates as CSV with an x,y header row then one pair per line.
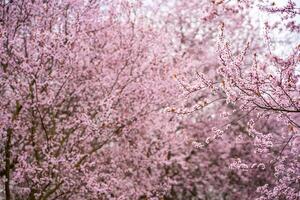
x,y
7,163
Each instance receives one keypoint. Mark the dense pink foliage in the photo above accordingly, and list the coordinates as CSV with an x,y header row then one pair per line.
x,y
149,100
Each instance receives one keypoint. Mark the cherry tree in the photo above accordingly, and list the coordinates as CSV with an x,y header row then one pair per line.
x,y
244,111
80,81
148,100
